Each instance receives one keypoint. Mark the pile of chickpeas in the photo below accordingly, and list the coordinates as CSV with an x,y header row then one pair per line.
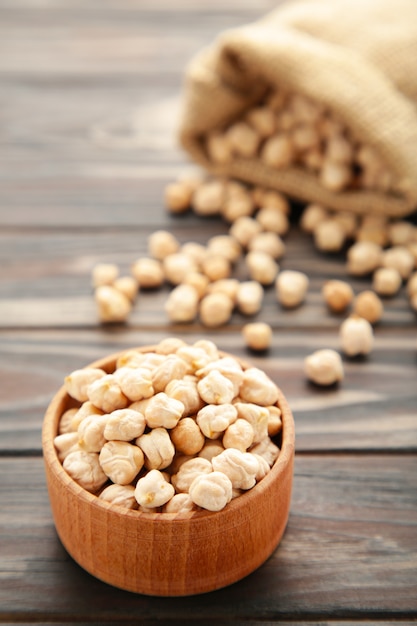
x,y
291,130
179,428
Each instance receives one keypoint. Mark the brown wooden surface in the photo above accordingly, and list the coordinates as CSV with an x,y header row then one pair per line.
x,y
89,94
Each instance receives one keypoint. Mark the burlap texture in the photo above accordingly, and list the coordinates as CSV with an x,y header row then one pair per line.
x,y
357,57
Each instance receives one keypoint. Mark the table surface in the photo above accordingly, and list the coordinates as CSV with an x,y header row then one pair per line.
x,y
89,99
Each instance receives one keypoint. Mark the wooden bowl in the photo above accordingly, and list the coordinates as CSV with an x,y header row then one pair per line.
x,y
167,554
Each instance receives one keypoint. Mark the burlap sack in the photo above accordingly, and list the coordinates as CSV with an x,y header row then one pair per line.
x,y
357,57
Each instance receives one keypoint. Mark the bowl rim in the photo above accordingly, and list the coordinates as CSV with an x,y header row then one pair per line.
x,y
62,401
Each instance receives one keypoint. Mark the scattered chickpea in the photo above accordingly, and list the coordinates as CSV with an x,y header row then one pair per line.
x,y
400,258
215,309
267,242
367,305
128,286
244,228
273,220
182,303
112,304
386,281
291,288
324,367
161,243
104,274
356,336
249,297
216,267
337,294
209,198
257,335
329,235
176,266
148,273
312,215
178,196
412,285
261,267
363,257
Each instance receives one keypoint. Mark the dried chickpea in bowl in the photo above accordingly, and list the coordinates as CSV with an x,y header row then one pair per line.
x,y
132,460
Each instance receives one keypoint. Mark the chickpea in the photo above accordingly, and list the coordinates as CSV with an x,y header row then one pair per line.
x,y
249,297
91,433
339,149
386,281
182,303
112,304
291,288
148,273
152,490
239,435
412,285
215,309
215,388
267,450
273,220
257,335
196,251
219,149
209,198
65,423
276,200
187,436
199,282
176,266
243,139
85,469
211,448
227,286
401,233
356,336
363,257
224,245
213,419
212,491
135,382
163,411
262,267
324,367
257,416
312,215
178,196
269,243
104,274
367,305
244,228
170,345
157,448
106,394
122,495
274,421
216,267
262,119
121,461
188,471
180,503
258,388
77,383
278,151
228,367
240,467
235,207
128,286
305,137
161,243
185,391
335,176
86,409
124,425
329,235
66,443
337,294
400,258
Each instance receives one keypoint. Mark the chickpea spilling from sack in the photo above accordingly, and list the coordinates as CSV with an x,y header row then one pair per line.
x,y
290,130
181,428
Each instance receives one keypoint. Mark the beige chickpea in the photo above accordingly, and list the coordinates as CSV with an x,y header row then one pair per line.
x,y
249,297
244,228
324,367
386,281
124,425
212,491
182,303
363,257
112,304
312,215
257,416
180,503
188,471
171,368
348,220
264,467
258,388
196,251
128,286
274,199
157,448
413,301
85,469
356,336
261,267
135,382
87,408
412,285
267,449
121,461
209,198
214,419
163,411
148,272
185,391
337,294
269,243
239,435
229,367
199,282
187,437
339,149
274,420
65,421
161,243
176,266
335,176
367,305
215,388
312,159
278,151
216,267
77,383
178,196
240,467
291,287
401,232
227,286
224,245
303,109
373,228
219,149
262,119
257,336
235,207
153,491
305,137
66,443
273,220
243,139
169,345
91,433
104,274
211,448
195,357
106,394
400,258
209,347
329,235
122,495
215,309
412,248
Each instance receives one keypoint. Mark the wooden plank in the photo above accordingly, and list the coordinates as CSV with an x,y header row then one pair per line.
x,y
373,409
349,552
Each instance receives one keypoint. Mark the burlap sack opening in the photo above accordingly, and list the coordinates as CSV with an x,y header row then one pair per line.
x,y
356,57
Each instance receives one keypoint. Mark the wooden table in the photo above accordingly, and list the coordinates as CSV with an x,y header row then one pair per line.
x,y
89,98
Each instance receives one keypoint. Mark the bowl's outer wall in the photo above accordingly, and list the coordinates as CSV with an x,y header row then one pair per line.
x,y
169,557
